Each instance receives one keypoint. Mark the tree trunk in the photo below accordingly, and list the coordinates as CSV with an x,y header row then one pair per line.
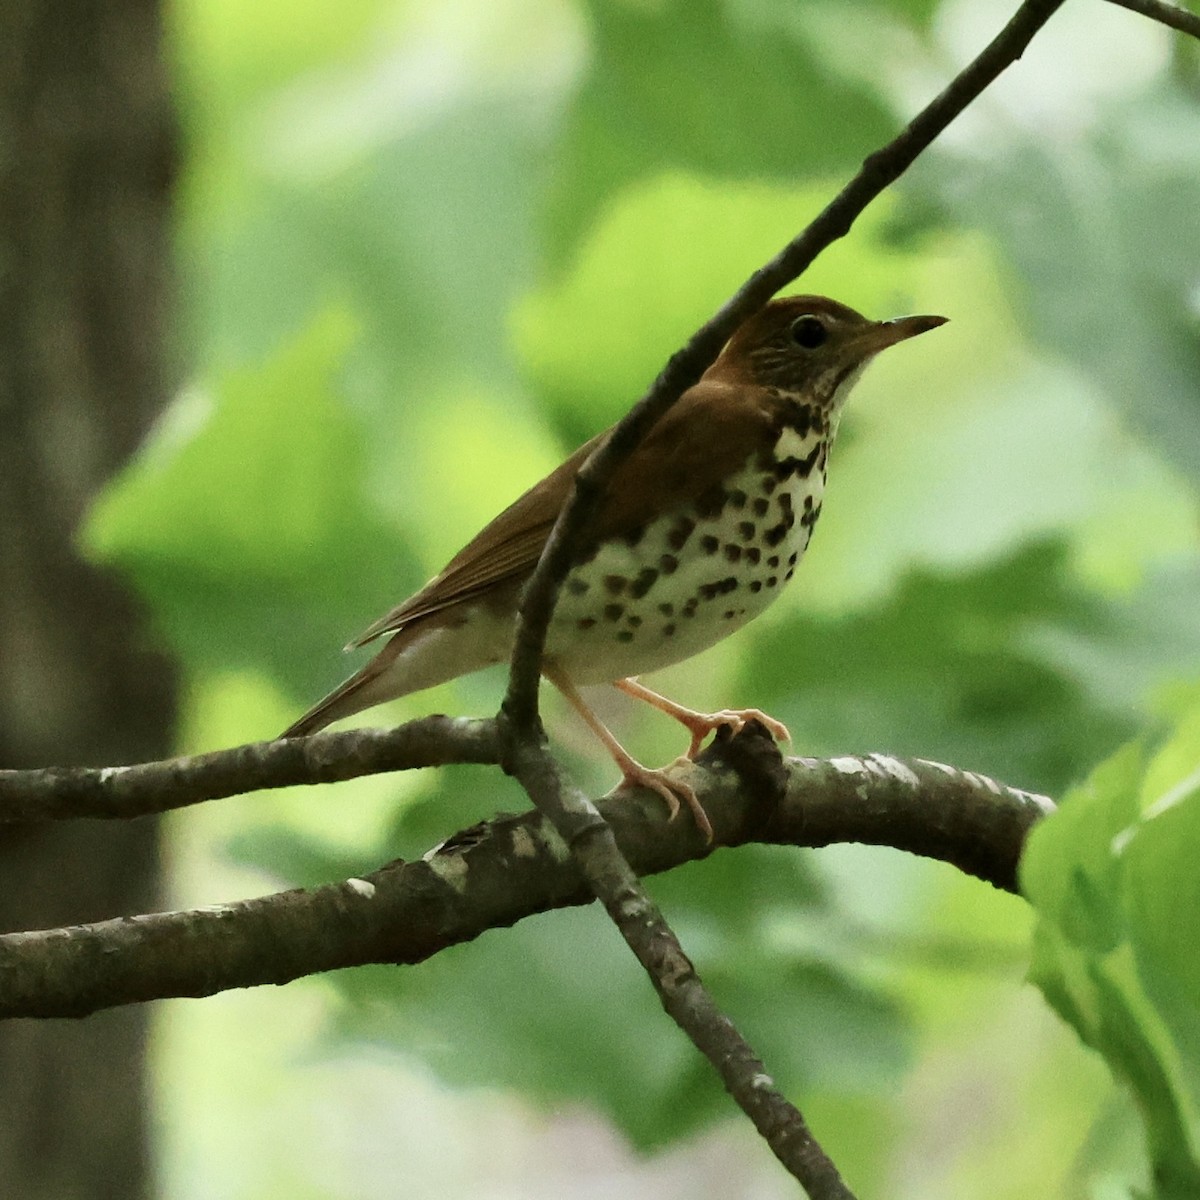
x,y
87,157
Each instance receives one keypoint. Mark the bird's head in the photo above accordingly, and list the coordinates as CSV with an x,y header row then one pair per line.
x,y
812,347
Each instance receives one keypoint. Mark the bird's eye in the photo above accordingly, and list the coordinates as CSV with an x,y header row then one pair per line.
x,y
808,332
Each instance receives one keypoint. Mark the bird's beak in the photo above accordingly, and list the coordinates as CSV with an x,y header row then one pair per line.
x,y
882,334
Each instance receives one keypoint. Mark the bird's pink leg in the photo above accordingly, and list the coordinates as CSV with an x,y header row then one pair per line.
x,y
671,790
699,724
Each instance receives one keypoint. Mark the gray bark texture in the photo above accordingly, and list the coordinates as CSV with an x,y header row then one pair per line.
x,y
87,160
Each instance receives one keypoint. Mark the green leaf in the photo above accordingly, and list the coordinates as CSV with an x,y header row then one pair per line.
x,y
1088,820
1112,876
1164,889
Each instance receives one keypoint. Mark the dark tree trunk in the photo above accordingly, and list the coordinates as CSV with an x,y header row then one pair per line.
x,y
87,148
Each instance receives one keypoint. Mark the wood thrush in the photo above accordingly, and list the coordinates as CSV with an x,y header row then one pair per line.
x,y
697,532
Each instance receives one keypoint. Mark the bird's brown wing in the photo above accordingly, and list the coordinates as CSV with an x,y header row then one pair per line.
x,y
710,432
708,435
506,547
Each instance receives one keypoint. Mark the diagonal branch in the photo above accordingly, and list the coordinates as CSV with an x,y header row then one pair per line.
x,y
526,754
507,869
597,856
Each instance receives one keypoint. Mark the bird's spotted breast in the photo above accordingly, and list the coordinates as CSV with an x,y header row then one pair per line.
x,y
696,574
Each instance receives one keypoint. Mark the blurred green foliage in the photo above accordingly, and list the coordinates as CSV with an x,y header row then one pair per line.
x,y
707,87
426,248
1107,237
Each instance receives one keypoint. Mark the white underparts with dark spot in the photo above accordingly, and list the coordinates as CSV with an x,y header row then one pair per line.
x,y
695,575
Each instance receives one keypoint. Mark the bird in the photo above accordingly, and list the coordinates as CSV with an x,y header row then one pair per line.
x,y
695,534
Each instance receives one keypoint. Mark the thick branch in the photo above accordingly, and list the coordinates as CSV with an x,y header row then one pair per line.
x,y
504,870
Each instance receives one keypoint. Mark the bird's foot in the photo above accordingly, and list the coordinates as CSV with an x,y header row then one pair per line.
x,y
699,724
673,791
735,720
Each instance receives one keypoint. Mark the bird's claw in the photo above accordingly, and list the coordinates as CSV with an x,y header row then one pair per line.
x,y
735,720
672,791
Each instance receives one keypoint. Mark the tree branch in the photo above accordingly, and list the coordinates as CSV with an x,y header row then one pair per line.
x,y
597,855
1165,14
819,794
61,793
509,868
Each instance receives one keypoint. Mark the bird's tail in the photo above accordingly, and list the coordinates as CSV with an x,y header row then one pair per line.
x,y
364,689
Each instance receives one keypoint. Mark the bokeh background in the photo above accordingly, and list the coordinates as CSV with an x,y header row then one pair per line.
x,y
426,247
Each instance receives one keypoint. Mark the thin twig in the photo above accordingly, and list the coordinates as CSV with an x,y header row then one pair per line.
x,y
1165,14
501,872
